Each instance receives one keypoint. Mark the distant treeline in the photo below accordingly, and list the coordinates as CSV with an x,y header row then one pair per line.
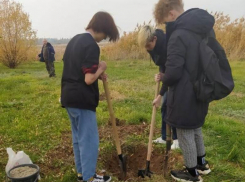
x,y
53,41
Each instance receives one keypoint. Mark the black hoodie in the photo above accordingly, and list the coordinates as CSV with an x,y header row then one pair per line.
x,y
184,111
159,54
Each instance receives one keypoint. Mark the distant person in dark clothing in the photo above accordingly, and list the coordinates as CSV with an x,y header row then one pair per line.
x,y
47,56
154,41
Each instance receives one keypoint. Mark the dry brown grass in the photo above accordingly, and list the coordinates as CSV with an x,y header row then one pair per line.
x,y
231,35
59,50
127,47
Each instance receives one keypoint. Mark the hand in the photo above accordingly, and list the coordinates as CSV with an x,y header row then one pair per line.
x,y
103,77
102,66
158,77
157,102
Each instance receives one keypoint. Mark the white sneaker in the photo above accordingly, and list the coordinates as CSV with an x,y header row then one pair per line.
x,y
98,178
159,140
175,145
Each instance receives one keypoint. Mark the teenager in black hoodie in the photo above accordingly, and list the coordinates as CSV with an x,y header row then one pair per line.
x,y
80,92
154,41
184,111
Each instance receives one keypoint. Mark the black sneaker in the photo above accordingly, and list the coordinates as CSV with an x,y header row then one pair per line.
x,y
204,169
185,176
98,178
79,178
50,76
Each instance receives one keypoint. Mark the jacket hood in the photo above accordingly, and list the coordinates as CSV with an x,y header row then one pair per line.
x,y
159,53
161,41
195,20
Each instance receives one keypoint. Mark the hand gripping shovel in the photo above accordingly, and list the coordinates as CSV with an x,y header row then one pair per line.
x,y
122,158
168,148
147,172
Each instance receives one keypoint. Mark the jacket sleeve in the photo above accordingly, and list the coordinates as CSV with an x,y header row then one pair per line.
x,y
51,53
91,62
164,88
151,54
175,60
52,49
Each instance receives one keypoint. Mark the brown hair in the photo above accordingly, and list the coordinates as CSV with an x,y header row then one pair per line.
x,y
163,7
102,22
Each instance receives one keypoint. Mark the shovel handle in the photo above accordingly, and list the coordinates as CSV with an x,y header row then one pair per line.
x,y
168,147
153,120
168,133
112,117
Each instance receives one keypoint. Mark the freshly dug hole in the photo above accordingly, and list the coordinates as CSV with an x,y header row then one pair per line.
x,y
136,159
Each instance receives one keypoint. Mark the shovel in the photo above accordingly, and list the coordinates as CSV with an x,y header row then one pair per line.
x,y
147,172
168,148
122,158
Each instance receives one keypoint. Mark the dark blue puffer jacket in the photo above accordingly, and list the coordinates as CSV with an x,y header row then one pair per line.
x,y
51,53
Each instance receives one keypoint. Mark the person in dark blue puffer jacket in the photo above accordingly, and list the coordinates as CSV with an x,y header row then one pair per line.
x,y
47,56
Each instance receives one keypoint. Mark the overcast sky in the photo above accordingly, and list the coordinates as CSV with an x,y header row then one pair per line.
x,y
66,18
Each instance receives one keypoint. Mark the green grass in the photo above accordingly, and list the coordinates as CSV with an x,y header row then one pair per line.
x,y
32,120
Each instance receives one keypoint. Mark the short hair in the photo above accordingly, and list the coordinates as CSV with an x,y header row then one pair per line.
x,y
102,22
146,34
163,7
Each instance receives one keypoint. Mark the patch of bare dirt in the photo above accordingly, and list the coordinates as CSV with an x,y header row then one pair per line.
x,y
136,160
62,155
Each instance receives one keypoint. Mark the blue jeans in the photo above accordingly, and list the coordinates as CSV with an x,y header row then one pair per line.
x,y
85,140
163,110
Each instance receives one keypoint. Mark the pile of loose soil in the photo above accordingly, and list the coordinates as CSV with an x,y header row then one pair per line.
x,y
22,172
136,160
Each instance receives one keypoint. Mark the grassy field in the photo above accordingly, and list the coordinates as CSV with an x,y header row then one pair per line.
x,y
32,120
